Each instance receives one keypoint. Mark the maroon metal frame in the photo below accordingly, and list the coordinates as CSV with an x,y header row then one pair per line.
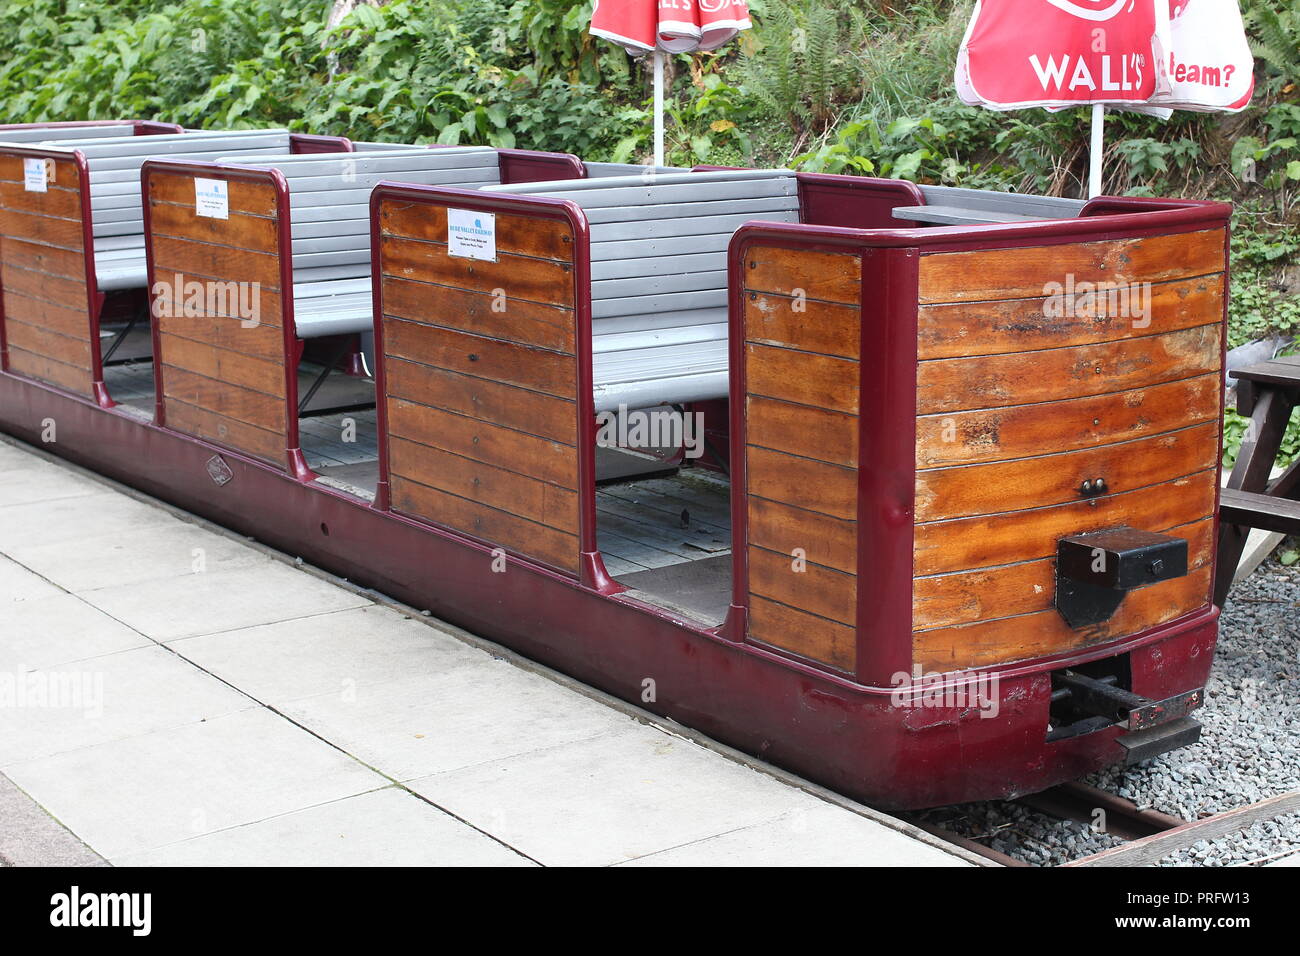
x,y
827,726
592,571
142,127
301,144
886,483
530,166
859,202
94,298
295,461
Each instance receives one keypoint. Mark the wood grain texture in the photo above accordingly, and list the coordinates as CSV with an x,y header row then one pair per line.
x,y
802,329
1021,273
223,377
43,278
1020,403
481,378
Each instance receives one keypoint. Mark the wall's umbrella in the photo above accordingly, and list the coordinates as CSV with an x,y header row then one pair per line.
x,y
1152,55
672,26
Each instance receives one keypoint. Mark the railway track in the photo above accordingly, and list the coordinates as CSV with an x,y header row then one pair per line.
x,y
1149,835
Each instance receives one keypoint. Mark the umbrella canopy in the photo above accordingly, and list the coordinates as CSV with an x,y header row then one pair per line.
x,y
1151,55
674,26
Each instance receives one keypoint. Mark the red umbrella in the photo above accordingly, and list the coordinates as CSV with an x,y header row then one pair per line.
x,y
1154,55
675,26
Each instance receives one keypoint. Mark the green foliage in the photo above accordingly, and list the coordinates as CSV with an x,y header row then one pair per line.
x,y
1274,27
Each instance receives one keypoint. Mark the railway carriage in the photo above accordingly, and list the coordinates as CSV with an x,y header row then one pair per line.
x,y
938,521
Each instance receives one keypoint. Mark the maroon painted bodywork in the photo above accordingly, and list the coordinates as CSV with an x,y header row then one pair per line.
x,y
855,201
841,730
302,144
142,127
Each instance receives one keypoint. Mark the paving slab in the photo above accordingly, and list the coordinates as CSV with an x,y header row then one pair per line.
x,y
436,722
36,480
614,798
18,583
145,792
169,550
327,653
810,836
262,593
251,713
107,698
59,628
390,827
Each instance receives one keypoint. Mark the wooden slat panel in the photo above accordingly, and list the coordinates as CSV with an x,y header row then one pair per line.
x,y
515,534
803,482
481,313
807,635
989,540
1053,479
252,198
222,380
965,597
1021,273
524,454
55,201
69,293
203,260
508,362
1045,632
533,412
72,377
1021,378
65,173
537,280
520,495
213,427
802,330
1014,325
802,430
821,591
515,235
233,368
1000,434
801,377
482,402
38,227
47,322
229,401
828,276
808,325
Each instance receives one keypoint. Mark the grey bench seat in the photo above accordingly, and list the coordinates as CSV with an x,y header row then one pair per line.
x,y
953,206
659,275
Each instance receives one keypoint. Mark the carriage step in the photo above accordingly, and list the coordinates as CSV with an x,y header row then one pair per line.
x,y
1255,510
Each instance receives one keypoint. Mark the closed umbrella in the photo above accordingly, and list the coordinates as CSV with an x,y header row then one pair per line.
x,y
1151,55
673,26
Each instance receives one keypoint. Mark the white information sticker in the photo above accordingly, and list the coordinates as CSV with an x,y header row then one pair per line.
x,y
212,198
472,235
34,177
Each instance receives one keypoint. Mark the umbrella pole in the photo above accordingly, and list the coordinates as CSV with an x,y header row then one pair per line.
x,y
659,107
1094,158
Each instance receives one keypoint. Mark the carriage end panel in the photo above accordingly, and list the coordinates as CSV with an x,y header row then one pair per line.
x,y
485,371
1062,388
219,281
46,283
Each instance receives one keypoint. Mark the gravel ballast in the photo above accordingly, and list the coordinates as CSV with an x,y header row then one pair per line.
x,y
1249,749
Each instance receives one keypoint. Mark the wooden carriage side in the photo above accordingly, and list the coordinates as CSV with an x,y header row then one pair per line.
x,y
966,430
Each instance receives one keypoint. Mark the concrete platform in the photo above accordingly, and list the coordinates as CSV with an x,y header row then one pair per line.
x,y
172,694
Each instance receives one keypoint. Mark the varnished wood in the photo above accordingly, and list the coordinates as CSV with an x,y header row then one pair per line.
x,y
830,542
1021,273
480,313
204,423
801,377
74,378
802,430
1045,632
815,638
252,198
801,584
803,482
1056,478
808,325
1000,434
515,235
519,277
203,260
1015,325
1050,375
828,276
